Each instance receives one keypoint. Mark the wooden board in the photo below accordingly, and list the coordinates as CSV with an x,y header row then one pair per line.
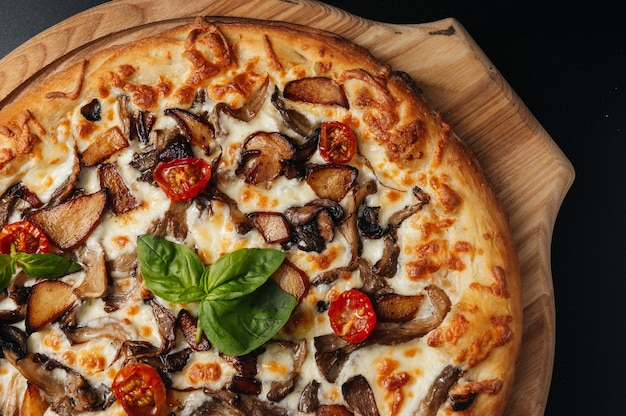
x,y
529,172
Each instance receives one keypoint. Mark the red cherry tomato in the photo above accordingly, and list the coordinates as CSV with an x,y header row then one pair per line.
x,y
352,316
25,237
183,179
337,142
140,390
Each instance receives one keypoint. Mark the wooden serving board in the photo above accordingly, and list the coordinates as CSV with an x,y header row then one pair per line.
x,y
530,174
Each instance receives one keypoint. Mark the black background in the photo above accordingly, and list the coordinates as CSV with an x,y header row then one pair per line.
x,y
568,65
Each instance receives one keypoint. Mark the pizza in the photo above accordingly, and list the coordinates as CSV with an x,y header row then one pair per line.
x,y
244,217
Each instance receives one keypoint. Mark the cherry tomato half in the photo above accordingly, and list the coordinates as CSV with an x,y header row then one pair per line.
x,y
25,236
140,390
352,316
337,142
183,179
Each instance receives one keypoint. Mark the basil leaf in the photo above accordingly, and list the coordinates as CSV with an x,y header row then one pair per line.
x,y
239,326
46,266
7,270
171,271
241,272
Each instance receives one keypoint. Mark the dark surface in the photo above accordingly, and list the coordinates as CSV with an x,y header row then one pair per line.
x,y
568,64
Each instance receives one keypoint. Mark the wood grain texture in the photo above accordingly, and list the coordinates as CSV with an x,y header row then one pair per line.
x,y
529,172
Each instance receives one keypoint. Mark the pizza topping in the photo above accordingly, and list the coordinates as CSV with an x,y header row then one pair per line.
x,y
23,237
188,325
92,111
105,145
199,132
316,90
273,226
183,179
236,281
438,391
68,224
247,111
140,390
352,316
331,181
120,198
359,395
397,308
49,300
337,142
263,157
294,119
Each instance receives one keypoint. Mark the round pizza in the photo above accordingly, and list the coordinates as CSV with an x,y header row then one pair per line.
x,y
241,217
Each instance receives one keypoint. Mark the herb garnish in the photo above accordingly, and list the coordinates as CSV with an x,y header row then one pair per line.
x,y
241,308
38,265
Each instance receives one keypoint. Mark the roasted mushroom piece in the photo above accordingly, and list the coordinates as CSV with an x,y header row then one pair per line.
x,y
314,224
120,198
263,157
273,226
68,224
246,112
105,145
49,300
198,131
316,90
358,393
332,181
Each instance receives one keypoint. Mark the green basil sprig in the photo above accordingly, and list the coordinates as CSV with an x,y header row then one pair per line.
x,y
41,266
241,308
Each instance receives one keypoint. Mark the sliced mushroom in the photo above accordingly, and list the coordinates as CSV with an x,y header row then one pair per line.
x,y
49,300
68,224
141,124
309,400
14,340
369,225
263,157
145,163
67,187
188,325
67,391
349,228
332,181
397,308
120,198
247,111
438,391
314,223
295,120
104,146
358,393
176,147
166,324
388,264
316,90
95,282
173,223
99,328
273,226
281,388
199,132
240,220
292,279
